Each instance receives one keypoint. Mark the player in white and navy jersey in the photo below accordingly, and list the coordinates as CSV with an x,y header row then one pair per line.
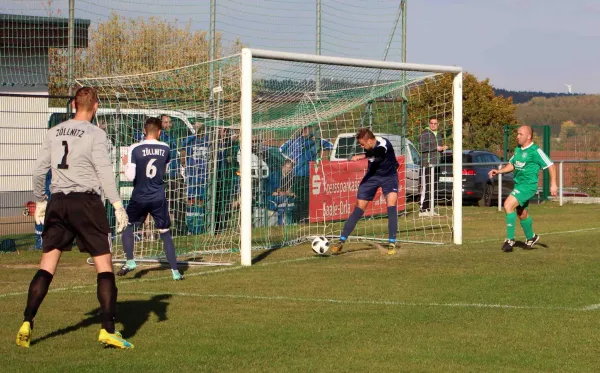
x,y
146,166
381,173
75,151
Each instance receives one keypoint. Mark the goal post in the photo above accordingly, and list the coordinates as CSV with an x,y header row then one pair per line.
x,y
247,96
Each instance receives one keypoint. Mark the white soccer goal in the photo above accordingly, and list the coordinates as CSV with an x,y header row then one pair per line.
x,y
331,107
269,165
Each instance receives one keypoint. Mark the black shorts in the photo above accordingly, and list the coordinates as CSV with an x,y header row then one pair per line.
x,y
80,216
159,210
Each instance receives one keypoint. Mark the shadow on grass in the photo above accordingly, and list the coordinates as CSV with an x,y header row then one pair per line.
x,y
521,245
133,314
143,272
264,254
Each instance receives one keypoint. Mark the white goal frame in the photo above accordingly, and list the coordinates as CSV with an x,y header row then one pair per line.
x,y
246,130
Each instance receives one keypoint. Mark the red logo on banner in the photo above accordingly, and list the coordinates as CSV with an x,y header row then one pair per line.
x,y
333,187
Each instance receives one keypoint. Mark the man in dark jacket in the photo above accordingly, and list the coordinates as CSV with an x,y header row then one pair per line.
x,y
431,146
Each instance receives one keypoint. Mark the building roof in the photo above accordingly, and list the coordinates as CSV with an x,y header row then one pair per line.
x,y
23,31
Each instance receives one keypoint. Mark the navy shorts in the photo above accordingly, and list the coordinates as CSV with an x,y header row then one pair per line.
x,y
369,185
159,210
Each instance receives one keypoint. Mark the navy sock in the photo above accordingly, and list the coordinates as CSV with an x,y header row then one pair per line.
x,y
38,288
392,222
351,223
169,249
128,242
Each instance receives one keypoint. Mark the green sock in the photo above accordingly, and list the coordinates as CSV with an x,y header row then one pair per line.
x,y
527,225
131,264
511,221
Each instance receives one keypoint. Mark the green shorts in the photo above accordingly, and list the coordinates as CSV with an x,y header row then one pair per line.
x,y
523,194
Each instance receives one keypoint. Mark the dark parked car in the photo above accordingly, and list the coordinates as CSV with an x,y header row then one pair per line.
x,y
478,188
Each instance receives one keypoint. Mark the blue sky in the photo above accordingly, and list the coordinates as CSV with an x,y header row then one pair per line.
x,y
518,44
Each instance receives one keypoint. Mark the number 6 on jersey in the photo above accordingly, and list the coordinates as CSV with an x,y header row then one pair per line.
x,y
151,169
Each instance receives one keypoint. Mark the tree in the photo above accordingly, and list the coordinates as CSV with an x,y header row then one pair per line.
x,y
567,129
124,46
554,111
484,113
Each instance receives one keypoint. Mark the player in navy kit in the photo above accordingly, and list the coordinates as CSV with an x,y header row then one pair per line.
x,y
146,166
382,173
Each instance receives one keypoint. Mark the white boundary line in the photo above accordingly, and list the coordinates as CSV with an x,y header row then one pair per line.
x,y
162,278
542,234
592,307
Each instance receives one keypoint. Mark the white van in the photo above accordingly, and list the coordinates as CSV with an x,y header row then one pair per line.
x,y
125,125
346,146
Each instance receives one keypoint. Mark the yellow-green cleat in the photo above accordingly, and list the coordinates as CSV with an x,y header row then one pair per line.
x,y
24,334
113,340
391,248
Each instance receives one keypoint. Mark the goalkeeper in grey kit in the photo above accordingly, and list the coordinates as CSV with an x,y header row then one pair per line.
x,y
76,153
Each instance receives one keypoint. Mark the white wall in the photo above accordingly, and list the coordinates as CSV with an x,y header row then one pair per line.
x,y
23,120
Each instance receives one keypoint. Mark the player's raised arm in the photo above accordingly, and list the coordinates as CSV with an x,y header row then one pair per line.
x,y
283,149
130,167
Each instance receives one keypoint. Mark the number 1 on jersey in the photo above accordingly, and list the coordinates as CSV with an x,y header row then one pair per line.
x,y
63,163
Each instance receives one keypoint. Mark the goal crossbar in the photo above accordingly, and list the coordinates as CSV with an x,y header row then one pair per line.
x,y
342,61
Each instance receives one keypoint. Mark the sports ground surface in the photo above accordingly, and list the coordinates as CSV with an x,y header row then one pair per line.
x,y
469,308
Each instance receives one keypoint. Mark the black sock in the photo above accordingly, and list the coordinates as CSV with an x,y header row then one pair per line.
x,y
107,296
38,288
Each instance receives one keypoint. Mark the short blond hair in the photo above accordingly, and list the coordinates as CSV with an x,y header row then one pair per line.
x,y
85,98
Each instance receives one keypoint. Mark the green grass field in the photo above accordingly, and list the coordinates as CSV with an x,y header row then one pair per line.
x,y
469,308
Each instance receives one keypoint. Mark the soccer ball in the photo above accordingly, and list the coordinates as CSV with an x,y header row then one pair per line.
x,y
320,245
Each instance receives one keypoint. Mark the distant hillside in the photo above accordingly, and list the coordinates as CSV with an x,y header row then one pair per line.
x,y
581,109
520,97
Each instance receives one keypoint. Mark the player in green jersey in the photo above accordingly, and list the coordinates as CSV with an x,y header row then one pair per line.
x,y
526,163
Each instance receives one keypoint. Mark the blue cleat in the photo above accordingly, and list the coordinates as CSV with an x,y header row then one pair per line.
x,y
176,275
127,267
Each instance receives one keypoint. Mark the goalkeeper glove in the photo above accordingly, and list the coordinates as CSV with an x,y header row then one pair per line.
x,y
121,215
40,212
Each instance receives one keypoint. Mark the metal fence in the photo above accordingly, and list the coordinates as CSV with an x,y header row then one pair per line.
x,y
24,119
578,178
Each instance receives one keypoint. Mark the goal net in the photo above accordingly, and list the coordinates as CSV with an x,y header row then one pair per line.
x,y
262,143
